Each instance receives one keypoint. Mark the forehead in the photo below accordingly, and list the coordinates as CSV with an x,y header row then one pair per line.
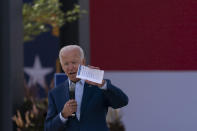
x,y
73,54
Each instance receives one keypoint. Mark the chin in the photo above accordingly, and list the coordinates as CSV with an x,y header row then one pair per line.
x,y
75,80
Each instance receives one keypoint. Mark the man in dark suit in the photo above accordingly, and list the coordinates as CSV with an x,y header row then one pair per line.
x,y
87,112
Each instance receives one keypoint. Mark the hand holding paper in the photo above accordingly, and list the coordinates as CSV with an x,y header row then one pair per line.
x,y
87,73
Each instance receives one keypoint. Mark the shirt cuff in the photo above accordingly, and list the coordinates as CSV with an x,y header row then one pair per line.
x,y
104,87
62,118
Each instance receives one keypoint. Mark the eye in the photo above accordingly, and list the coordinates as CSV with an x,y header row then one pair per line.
x,y
74,62
65,64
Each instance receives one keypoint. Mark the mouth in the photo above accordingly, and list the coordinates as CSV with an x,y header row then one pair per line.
x,y
72,73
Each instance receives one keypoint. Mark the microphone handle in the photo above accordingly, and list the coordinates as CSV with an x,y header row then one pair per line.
x,y
72,96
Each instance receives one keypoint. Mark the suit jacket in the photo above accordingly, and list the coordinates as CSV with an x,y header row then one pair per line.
x,y
94,107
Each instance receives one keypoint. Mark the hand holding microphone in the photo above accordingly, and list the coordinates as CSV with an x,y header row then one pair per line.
x,y
71,106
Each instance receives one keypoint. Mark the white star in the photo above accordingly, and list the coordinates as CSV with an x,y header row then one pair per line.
x,y
37,73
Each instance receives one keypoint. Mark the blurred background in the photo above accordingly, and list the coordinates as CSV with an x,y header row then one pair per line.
x,y
147,48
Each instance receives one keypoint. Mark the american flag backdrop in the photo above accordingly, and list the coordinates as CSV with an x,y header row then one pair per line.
x,y
149,49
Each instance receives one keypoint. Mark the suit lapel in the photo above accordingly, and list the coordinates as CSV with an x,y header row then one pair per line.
x,y
64,94
85,98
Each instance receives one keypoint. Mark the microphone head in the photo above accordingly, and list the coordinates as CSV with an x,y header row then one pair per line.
x,y
72,90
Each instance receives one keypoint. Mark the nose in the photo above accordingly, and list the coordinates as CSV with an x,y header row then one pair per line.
x,y
71,66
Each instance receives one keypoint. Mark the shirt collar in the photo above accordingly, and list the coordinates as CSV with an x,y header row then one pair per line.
x,y
81,82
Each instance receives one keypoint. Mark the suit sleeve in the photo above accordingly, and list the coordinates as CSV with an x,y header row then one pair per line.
x,y
114,96
53,121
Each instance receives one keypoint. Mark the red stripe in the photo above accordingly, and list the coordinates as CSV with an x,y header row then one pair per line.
x,y
143,35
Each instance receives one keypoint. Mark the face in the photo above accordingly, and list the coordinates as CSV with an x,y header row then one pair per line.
x,y
70,62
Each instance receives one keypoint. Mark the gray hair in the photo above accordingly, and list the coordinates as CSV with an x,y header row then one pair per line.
x,y
71,47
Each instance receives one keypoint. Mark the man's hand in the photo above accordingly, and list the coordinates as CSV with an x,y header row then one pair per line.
x,y
93,83
69,108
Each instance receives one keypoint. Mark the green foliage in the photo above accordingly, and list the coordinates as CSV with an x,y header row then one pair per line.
x,y
37,17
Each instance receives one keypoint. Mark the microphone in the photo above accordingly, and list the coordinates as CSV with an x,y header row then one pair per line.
x,y
72,94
